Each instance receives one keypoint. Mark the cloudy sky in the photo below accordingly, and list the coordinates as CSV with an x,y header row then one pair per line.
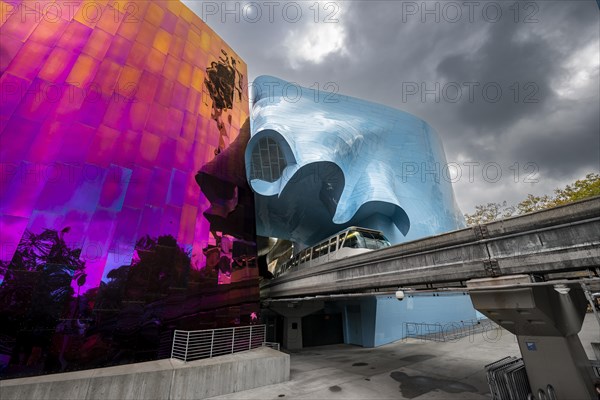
x,y
510,87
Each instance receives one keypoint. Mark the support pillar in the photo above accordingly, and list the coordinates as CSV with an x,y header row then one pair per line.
x,y
292,333
546,320
292,312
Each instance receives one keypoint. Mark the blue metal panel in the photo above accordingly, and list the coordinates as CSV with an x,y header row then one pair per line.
x,y
359,321
444,309
345,162
378,320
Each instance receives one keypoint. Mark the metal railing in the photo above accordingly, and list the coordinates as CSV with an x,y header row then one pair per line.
x,y
596,367
273,345
195,345
508,380
447,332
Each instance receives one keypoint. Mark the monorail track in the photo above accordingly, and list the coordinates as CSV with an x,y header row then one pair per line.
x,y
559,243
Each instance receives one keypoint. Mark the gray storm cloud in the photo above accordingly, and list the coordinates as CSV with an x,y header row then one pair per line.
x,y
542,55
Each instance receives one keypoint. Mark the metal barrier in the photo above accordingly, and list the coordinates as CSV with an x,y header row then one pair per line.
x,y
508,380
447,332
596,368
273,345
195,345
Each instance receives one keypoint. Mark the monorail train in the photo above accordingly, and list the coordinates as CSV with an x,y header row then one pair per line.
x,y
349,242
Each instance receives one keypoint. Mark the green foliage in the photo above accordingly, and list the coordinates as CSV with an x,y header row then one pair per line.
x,y
489,212
534,203
579,190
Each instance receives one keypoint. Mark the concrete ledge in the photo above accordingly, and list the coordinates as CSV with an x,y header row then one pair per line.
x,y
161,379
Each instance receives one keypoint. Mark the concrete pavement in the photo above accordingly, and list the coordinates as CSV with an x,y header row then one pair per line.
x,y
407,369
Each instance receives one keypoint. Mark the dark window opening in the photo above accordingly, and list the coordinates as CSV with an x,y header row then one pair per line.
x,y
268,161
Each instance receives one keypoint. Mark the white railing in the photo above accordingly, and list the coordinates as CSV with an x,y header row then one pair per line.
x,y
447,332
195,345
273,345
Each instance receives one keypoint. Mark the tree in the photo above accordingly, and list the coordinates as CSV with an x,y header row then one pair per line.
x,y
578,190
488,213
534,203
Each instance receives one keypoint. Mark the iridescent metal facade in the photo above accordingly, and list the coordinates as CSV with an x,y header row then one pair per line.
x,y
124,209
319,162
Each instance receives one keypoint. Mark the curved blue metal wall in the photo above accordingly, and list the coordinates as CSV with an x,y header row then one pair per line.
x,y
338,161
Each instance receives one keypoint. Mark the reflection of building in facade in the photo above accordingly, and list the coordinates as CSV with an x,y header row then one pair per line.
x,y
320,162
125,212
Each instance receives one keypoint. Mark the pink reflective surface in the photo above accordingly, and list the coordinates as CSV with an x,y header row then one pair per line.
x,y
109,237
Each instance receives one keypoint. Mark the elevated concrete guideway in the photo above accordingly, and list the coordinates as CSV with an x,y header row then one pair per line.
x,y
562,242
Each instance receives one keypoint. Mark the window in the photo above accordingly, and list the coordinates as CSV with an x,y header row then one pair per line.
x,y
374,240
268,161
332,244
324,248
352,240
305,256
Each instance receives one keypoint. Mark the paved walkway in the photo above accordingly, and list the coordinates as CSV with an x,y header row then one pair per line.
x,y
409,369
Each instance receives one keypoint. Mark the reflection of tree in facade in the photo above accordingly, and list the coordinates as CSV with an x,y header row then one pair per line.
x,y
48,326
36,293
141,304
159,266
129,306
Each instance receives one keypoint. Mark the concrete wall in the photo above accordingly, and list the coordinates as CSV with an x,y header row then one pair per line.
x,y
292,324
162,379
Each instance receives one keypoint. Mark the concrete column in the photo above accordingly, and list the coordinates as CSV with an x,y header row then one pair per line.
x,y
546,320
293,311
292,333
